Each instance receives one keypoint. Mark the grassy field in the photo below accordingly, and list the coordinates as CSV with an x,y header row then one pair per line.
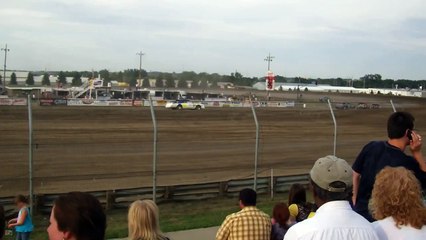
x,y
173,216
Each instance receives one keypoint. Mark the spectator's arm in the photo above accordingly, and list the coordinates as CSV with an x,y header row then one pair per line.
x,y
420,159
13,220
224,230
355,181
416,149
20,220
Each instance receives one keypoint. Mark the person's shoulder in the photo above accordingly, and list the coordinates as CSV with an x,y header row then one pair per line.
x,y
265,216
258,212
384,223
380,227
309,223
300,229
233,216
374,145
24,209
361,223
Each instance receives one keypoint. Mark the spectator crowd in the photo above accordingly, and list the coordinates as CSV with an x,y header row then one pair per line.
x,y
379,197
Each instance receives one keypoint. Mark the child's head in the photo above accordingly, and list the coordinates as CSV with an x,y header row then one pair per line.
x,y
280,213
21,201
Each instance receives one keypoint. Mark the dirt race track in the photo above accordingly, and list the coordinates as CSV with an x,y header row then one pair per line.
x,y
101,148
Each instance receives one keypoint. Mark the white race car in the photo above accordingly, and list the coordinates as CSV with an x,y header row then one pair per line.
x,y
185,104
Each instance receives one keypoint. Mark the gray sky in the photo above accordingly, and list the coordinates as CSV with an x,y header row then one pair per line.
x,y
309,38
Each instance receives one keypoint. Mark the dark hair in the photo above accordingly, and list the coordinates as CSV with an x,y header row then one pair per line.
x,y
297,194
281,214
2,222
248,197
327,196
399,123
80,214
21,199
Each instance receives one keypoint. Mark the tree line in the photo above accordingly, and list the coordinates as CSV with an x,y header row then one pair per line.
x,y
205,80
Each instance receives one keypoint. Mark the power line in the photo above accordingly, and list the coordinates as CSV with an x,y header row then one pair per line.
x,y
269,60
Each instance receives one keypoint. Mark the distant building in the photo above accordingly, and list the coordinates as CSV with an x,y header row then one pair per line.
x,y
224,85
279,86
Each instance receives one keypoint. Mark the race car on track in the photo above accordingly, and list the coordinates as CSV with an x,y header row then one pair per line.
x,y
185,104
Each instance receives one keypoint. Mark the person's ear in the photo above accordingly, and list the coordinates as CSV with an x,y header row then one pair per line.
x,y
68,235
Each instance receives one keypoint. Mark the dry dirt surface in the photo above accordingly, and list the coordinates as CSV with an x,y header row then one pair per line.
x,y
107,148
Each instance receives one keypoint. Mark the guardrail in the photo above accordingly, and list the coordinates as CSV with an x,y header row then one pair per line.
x,y
122,198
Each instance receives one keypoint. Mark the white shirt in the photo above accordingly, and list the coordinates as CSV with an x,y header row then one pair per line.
x,y
387,230
333,221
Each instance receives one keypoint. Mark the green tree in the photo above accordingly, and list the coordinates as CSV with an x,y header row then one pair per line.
x,y
195,84
145,83
204,84
120,76
13,80
45,81
372,81
105,75
1,80
170,82
76,79
214,84
182,83
159,81
30,79
62,79
188,75
388,83
130,76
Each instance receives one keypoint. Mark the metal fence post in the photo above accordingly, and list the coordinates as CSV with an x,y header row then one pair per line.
x,y
393,106
272,184
154,153
256,151
30,152
335,127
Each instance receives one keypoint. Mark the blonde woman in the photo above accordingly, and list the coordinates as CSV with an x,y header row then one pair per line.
x,y
143,220
397,204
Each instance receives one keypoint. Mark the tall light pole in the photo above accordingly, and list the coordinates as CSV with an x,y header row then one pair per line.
x,y
5,49
269,60
140,63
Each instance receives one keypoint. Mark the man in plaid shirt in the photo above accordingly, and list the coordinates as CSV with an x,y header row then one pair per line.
x,y
248,224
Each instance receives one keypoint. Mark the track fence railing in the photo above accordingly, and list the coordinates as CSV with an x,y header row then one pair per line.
x,y
122,198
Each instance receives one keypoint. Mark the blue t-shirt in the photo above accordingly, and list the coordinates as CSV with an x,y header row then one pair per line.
x,y
27,226
374,157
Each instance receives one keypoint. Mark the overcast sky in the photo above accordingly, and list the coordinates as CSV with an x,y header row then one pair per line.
x,y
309,38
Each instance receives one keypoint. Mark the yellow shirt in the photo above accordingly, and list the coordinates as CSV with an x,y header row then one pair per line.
x,y
294,211
248,224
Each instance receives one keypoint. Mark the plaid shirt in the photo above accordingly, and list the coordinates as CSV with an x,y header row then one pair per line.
x,y
247,224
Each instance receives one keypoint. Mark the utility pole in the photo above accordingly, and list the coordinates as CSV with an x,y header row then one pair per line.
x,y
4,69
140,63
269,60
